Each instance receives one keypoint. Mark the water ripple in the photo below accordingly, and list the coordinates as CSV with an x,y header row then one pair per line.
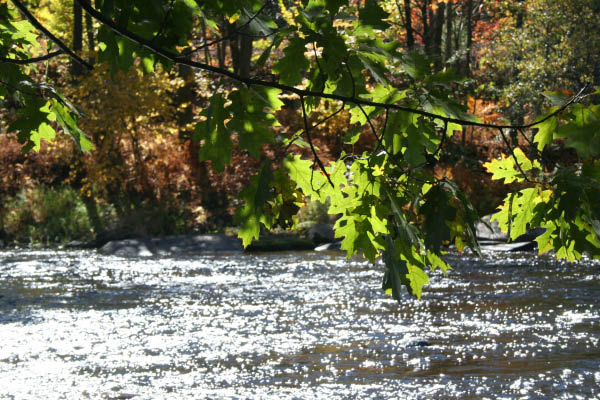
x,y
294,326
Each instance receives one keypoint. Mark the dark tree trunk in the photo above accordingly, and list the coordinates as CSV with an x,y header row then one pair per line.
x,y
76,68
410,37
469,44
92,211
185,95
89,29
448,44
234,46
426,35
245,55
205,41
221,51
240,44
438,25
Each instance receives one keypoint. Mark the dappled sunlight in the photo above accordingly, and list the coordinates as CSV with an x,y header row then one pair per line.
x,y
291,325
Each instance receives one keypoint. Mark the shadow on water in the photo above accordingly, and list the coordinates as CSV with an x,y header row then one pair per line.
x,y
294,325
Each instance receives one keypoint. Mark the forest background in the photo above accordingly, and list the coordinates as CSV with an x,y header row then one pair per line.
x,y
149,170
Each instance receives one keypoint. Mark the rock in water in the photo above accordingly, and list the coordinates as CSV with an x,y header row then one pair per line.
x,y
171,245
128,248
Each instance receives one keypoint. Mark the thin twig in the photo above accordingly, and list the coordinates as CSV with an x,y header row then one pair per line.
x,y
49,35
33,59
526,138
312,147
329,116
164,23
372,127
351,79
512,153
18,89
442,140
238,31
176,58
321,72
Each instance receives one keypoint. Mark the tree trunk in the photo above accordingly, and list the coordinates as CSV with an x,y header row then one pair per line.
x,y
234,47
205,41
469,44
221,54
438,25
448,44
240,44
410,37
89,29
76,68
185,95
245,55
92,211
426,31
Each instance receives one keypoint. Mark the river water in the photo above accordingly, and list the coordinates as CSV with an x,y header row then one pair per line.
x,y
77,325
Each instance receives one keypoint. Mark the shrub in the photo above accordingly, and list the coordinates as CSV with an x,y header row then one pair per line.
x,y
44,215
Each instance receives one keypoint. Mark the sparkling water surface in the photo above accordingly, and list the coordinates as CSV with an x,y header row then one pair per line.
x,y
77,325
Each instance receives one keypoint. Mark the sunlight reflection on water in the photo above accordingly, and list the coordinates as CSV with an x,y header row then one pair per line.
x,y
293,325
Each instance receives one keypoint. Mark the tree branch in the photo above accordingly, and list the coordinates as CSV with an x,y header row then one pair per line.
x,y
176,58
312,147
442,140
49,35
164,22
238,31
31,60
512,153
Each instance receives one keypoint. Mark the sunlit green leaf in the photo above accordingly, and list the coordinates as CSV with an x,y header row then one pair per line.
x,y
545,134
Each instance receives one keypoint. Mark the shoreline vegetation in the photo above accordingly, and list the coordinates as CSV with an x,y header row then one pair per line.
x,y
183,119
58,218
42,217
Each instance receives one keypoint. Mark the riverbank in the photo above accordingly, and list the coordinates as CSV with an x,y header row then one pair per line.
x,y
308,237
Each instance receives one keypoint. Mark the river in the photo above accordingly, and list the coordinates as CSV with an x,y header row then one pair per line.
x,y
77,325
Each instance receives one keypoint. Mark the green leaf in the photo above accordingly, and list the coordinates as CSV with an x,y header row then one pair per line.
x,y
30,118
417,278
438,213
334,5
378,224
69,123
259,25
301,172
293,62
268,96
396,271
346,227
524,207
436,262
44,132
256,196
416,65
374,65
585,138
444,78
215,138
352,135
518,211
505,168
545,133
406,232
250,120
267,53
373,15
557,99
545,241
